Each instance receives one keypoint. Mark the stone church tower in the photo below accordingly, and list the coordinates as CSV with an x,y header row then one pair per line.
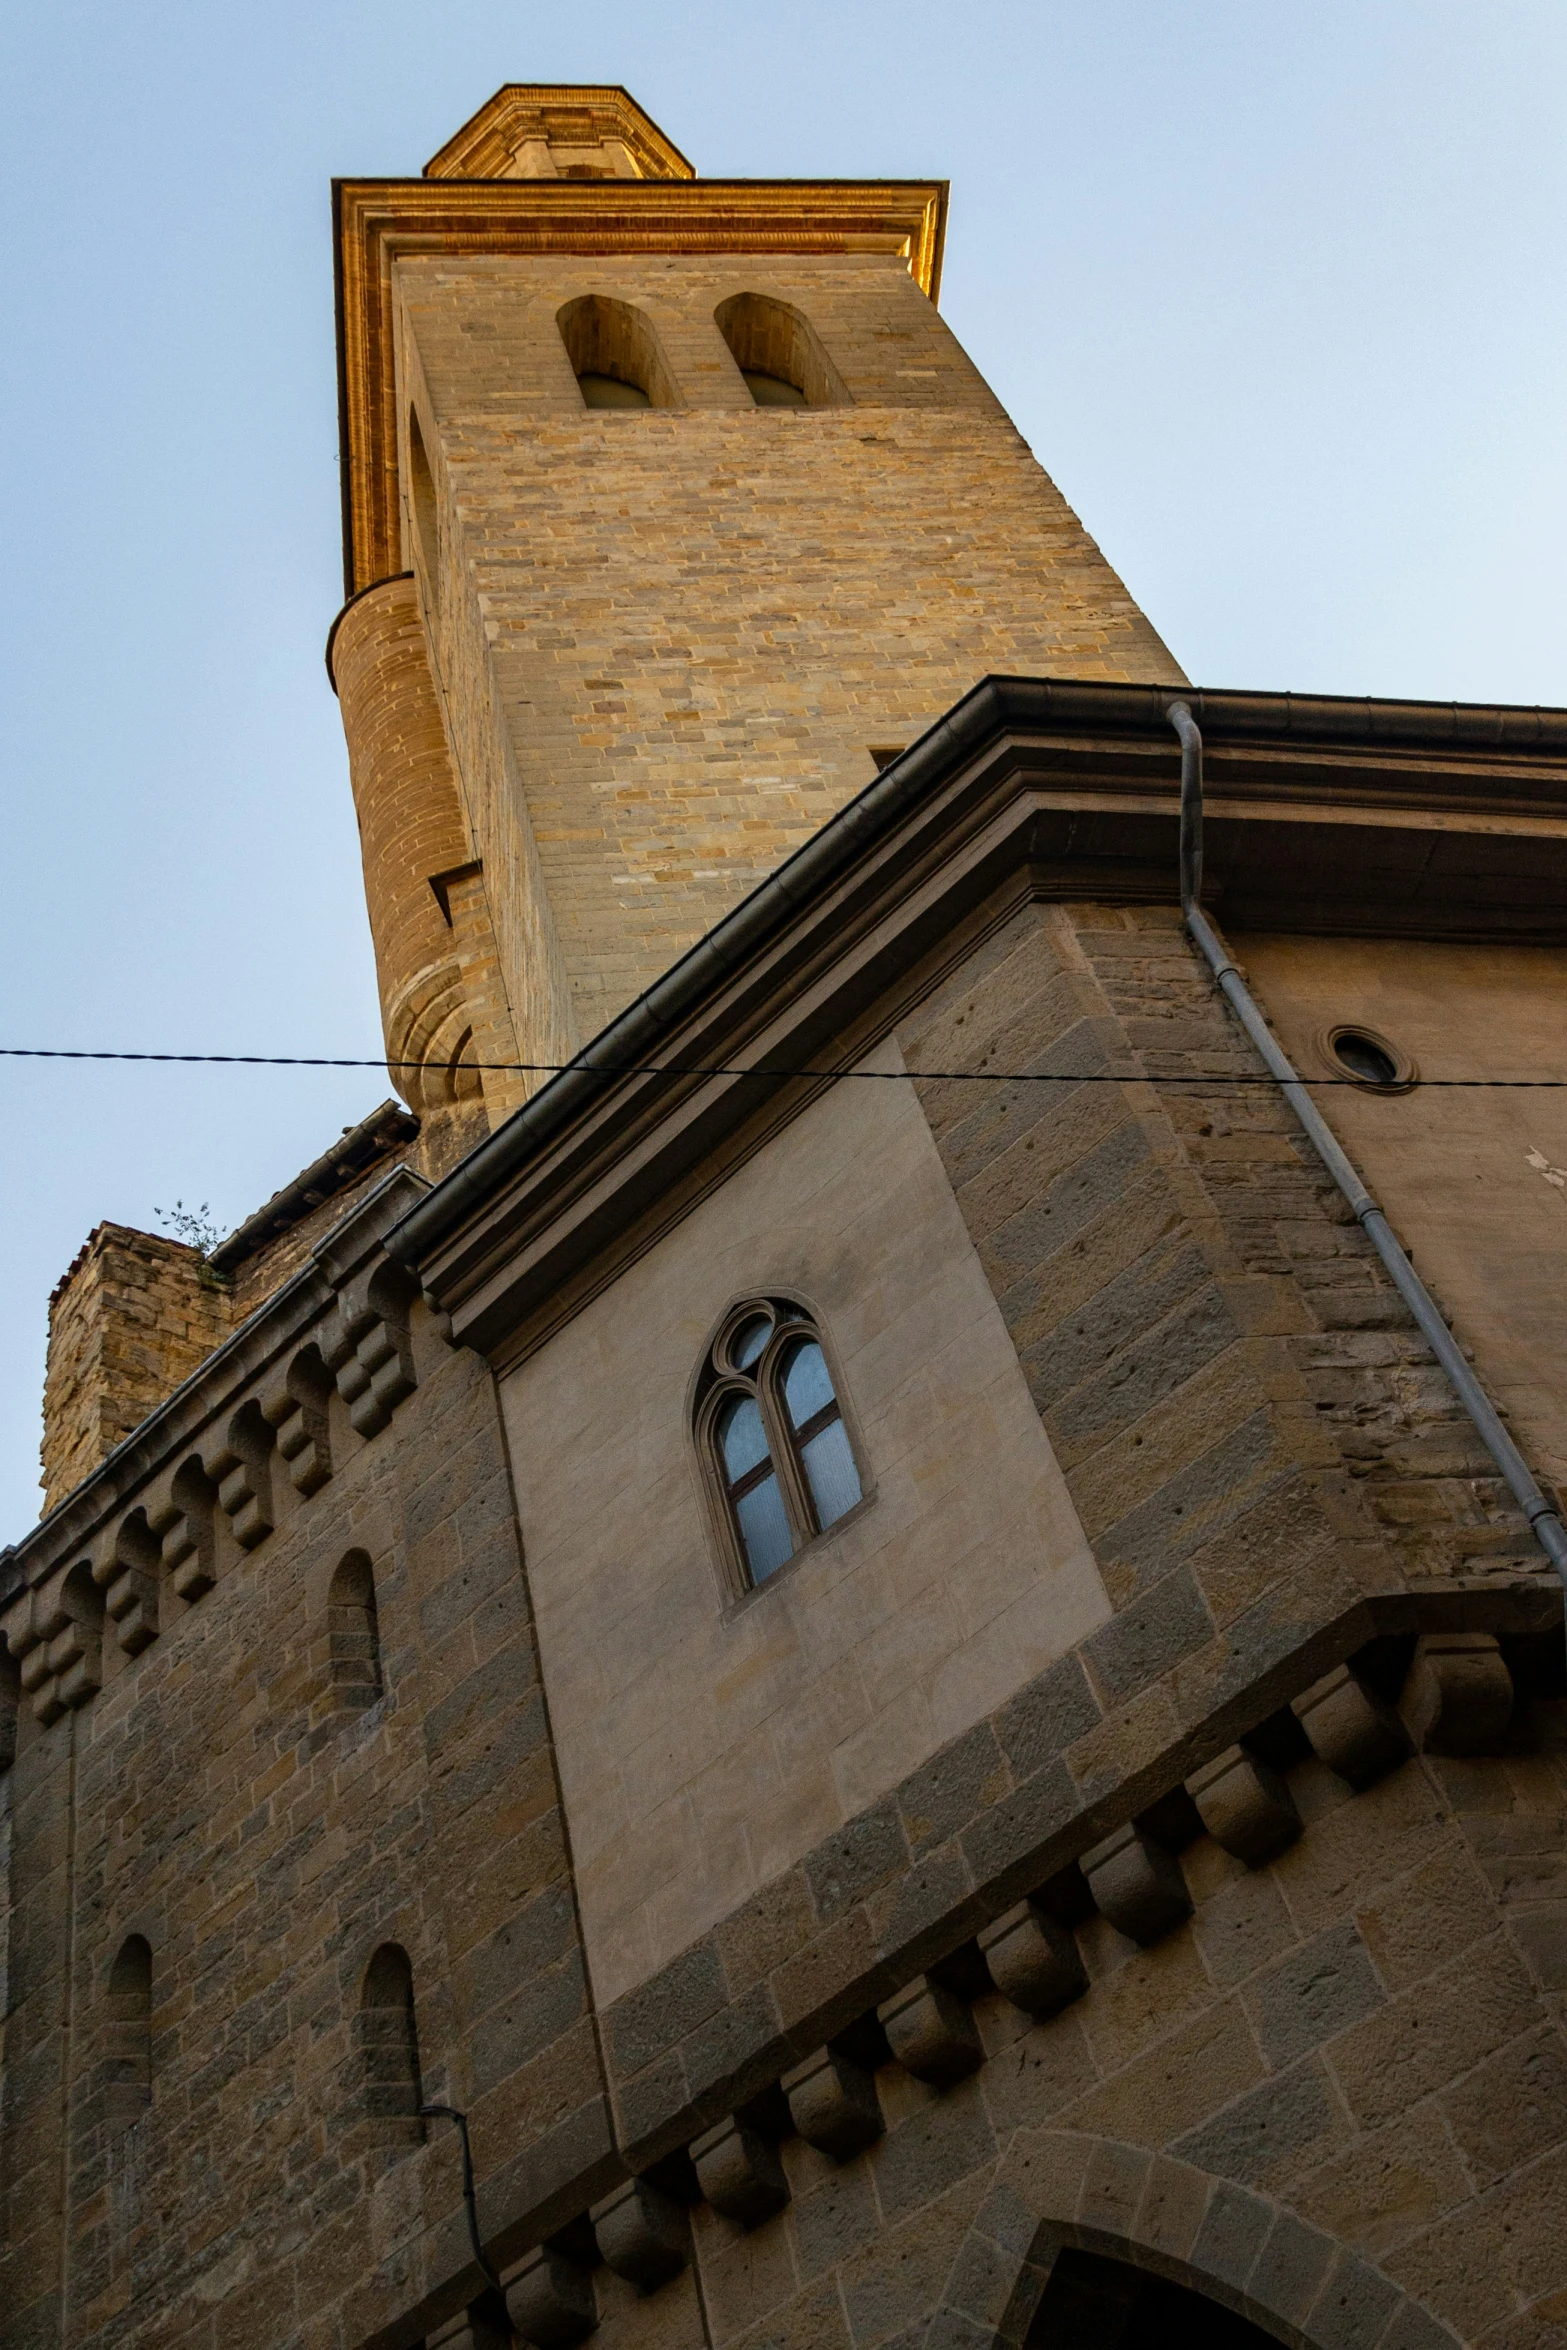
x,y
828,1652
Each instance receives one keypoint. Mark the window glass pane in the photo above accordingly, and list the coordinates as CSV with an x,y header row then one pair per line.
x,y
741,1436
1365,1058
829,1466
764,1528
748,1341
806,1384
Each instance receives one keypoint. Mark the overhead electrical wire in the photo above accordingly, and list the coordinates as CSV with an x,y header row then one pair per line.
x,y
23,1052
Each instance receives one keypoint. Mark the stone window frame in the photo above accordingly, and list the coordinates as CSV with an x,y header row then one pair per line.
x,y
1405,1071
715,1380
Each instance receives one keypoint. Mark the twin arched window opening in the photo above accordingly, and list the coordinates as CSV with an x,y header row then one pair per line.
x,y
619,363
773,1438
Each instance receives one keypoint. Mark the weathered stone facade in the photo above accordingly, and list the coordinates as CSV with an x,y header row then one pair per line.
x,y
1103,1886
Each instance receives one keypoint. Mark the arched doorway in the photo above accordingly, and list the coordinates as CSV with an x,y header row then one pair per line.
x,y
1094,2303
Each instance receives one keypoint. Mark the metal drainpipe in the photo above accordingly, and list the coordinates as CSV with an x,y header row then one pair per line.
x,y
1542,1515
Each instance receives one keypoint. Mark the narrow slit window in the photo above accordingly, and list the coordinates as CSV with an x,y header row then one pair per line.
x,y
128,2035
776,1449
388,2047
354,1634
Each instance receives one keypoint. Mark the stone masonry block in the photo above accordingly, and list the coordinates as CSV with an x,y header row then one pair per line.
x,y
1137,1884
642,2234
1033,1961
739,2172
1234,2229
1351,1728
931,2032
1458,1697
1245,1806
1353,2308
833,2103
1291,2267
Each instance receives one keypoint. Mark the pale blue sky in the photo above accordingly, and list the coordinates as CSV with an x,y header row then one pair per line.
x,y
1274,291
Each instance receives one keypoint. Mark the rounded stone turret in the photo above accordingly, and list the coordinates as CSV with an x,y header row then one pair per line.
x,y
412,834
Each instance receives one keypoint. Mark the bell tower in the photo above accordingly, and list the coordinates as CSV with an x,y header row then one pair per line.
x,y
671,508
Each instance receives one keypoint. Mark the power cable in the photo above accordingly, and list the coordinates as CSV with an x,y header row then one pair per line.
x,y
22,1052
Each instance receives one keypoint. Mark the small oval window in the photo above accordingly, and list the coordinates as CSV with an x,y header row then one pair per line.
x,y
1360,1053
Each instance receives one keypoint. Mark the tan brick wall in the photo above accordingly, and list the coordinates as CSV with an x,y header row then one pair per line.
x,y
133,1317
667,639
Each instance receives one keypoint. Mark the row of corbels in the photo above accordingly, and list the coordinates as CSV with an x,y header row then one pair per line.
x,y
169,1539
1457,1698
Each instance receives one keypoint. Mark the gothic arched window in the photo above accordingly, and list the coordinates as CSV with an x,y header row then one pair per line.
x,y
774,1444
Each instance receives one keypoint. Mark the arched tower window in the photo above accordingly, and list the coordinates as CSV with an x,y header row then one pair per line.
x,y
614,354
770,1429
779,353
127,2071
354,1634
388,2043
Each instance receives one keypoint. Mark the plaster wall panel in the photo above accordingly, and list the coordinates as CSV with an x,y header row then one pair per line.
x,y
707,1743
1475,1183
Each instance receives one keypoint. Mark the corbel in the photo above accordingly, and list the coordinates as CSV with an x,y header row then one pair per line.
x,y
1351,1728
642,2234
371,1351
1137,1884
931,2032
180,1513
1033,1960
1245,1805
240,1466
126,1570
296,1407
70,1622
833,2103
739,2172
550,2299
25,1641
1458,1696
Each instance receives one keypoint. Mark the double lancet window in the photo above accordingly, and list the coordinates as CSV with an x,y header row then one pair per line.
x,y
771,1432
